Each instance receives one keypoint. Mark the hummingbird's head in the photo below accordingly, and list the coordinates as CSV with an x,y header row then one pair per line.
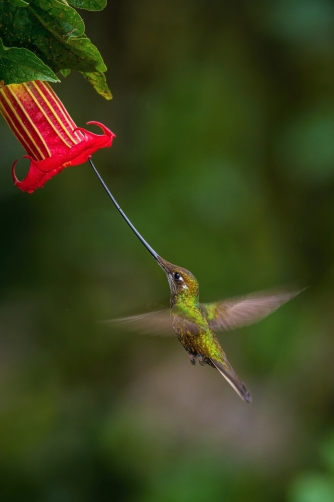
x,y
181,281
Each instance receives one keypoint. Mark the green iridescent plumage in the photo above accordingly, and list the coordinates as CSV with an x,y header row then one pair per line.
x,y
190,323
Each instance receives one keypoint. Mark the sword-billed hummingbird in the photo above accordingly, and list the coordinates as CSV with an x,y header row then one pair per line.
x,y
195,323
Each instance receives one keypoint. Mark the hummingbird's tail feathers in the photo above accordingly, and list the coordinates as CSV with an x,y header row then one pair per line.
x,y
230,375
151,323
241,311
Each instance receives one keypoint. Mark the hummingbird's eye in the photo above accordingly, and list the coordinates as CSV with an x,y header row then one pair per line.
x,y
177,276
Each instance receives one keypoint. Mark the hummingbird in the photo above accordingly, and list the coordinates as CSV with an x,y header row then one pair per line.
x,y
196,324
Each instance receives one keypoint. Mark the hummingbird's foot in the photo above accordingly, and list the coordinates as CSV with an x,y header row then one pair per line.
x,y
192,358
201,360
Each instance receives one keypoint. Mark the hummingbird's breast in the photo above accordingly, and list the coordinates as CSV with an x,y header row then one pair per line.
x,y
193,331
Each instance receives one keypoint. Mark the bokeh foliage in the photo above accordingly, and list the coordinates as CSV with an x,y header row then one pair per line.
x,y
224,160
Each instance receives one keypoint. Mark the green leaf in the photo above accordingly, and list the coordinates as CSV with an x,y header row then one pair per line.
x,y
99,82
88,4
65,73
85,55
59,19
19,3
19,65
53,31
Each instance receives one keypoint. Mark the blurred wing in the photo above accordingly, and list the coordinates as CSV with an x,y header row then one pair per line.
x,y
230,375
151,323
237,312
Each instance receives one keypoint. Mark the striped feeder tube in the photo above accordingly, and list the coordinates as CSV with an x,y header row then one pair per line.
x,y
46,131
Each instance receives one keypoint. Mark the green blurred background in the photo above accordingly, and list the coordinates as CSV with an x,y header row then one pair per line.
x,y
224,160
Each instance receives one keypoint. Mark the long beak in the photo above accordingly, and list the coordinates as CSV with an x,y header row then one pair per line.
x,y
133,228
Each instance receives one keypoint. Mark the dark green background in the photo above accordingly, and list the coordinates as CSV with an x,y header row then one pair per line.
x,y
224,160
